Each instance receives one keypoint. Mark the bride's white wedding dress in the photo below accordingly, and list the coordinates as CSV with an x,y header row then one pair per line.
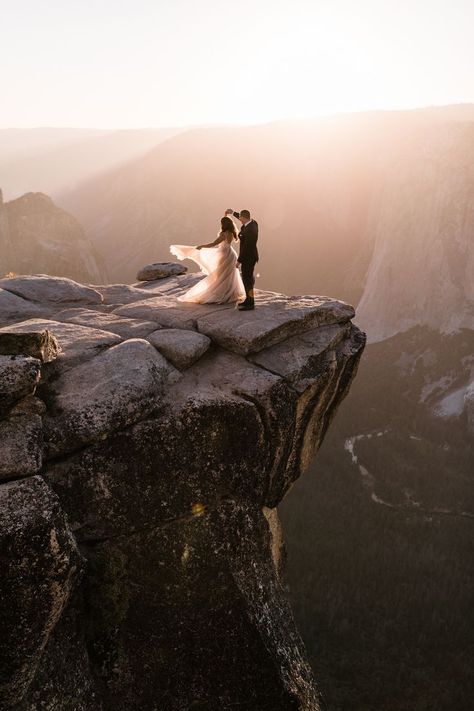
x,y
222,282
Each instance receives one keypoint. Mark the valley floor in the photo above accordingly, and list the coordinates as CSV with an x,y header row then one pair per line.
x,y
380,537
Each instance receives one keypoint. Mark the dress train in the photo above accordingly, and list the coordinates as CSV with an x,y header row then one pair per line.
x,y
222,283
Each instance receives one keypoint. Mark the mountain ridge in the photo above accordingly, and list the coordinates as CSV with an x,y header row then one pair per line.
x,y
37,236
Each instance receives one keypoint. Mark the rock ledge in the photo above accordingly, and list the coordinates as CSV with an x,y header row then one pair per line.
x,y
157,438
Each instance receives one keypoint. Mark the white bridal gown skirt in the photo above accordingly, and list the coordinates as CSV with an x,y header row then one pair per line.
x,y
222,282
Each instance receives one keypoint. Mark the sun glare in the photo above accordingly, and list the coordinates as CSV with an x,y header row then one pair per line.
x,y
186,63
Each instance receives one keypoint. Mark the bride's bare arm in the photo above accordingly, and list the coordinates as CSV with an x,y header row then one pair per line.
x,y
218,239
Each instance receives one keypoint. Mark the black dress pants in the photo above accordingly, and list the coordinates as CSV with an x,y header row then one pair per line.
x,y
249,280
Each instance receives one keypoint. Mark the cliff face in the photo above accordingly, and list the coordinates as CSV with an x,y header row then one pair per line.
x,y
422,268
142,465
38,237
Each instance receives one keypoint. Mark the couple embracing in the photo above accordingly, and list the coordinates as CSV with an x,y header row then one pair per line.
x,y
223,282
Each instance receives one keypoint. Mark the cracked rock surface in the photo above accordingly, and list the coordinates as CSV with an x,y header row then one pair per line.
x,y
144,448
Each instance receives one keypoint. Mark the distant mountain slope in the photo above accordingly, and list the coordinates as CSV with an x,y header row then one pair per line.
x,y
19,142
449,112
38,237
324,192
310,184
422,269
53,160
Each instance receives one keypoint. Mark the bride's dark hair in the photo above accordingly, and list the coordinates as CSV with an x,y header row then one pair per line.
x,y
228,225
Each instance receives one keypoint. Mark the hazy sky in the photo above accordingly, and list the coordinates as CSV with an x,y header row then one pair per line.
x,y
117,63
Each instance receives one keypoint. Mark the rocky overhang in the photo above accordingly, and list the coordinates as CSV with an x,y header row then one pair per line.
x,y
145,445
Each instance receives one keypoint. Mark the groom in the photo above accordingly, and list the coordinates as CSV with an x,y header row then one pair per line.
x,y
248,255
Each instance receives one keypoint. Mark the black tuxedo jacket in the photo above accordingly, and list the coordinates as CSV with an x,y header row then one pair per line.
x,y
248,237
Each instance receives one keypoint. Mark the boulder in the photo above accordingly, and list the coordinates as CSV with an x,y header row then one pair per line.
x,y
42,288
110,392
124,327
40,567
182,348
77,343
34,341
21,441
13,307
19,377
160,270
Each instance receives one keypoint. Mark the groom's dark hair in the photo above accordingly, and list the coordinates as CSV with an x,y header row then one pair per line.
x,y
244,213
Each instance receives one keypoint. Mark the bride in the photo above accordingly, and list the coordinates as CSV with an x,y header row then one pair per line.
x,y
218,261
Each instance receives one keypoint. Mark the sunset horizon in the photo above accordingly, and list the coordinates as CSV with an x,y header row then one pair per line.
x,y
283,119
237,355
179,64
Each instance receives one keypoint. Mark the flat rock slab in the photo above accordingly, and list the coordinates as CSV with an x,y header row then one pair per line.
x,y
41,288
118,294
169,312
275,318
182,348
19,377
124,327
21,440
110,392
296,357
160,270
13,307
77,343
35,342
